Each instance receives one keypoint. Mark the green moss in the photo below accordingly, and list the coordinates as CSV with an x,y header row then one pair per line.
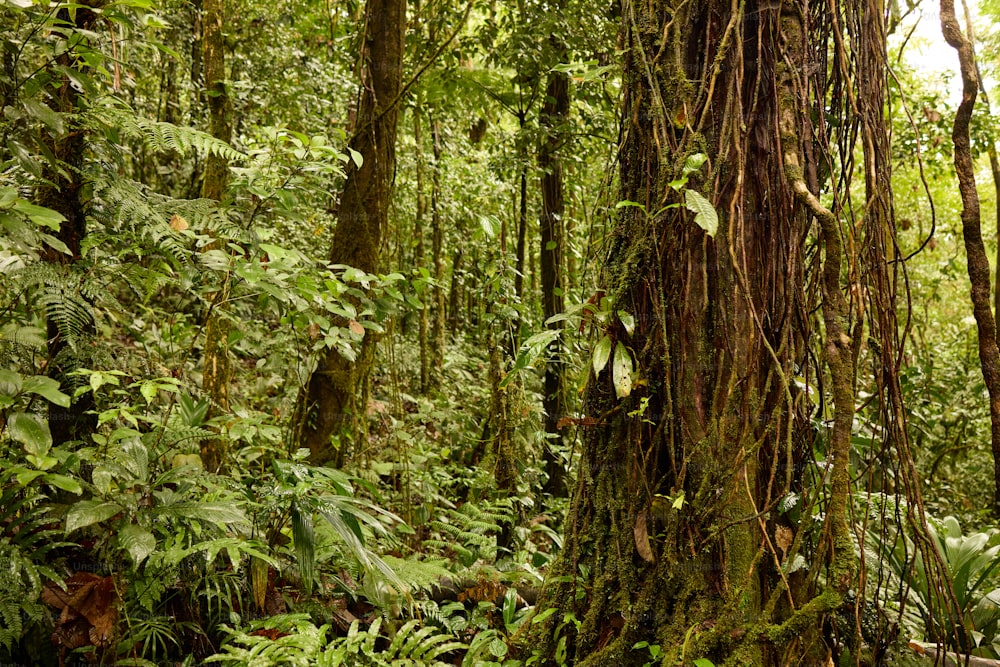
x,y
805,618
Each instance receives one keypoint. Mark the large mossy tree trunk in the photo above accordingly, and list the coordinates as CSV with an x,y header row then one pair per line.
x,y
329,403
673,536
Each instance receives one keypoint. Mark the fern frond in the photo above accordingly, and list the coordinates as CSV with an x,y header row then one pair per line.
x,y
162,137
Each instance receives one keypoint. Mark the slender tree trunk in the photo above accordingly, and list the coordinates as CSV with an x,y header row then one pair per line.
x,y
554,114
61,191
685,457
975,250
216,363
437,247
522,219
423,337
329,401
455,293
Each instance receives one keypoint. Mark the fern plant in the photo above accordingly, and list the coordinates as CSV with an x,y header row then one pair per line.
x,y
294,640
470,531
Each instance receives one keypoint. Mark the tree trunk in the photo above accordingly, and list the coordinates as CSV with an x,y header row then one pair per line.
x,y
421,255
61,192
330,396
437,248
522,218
455,300
684,459
554,114
216,362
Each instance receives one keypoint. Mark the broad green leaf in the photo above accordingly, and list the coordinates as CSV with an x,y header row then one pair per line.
x,y
602,353
63,482
10,383
498,647
694,163
705,215
7,197
56,244
31,431
703,662
137,541
26,477
42,461
88,512
135,458
678,502
627,321
44,113
356,157
213,512
40,215
622,371
47,388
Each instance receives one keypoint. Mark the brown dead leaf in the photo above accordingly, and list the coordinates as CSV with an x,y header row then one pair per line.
x,y
356,327
642,537
89,610
783,537
177,223
314,331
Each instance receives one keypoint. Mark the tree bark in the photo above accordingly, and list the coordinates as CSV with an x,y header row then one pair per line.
x,y
554,114
673,522
216,362
329,400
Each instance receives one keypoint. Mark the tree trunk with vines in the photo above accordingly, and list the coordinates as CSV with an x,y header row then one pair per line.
x,y
674,537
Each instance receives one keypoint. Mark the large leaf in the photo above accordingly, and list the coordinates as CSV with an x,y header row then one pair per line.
x,y
63,482
213,512
705,215
88,512
31,431
622,371
10,383
602,353
47,388
137,541
304,543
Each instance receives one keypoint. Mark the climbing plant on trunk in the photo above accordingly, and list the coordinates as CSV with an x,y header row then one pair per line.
x,y
723,293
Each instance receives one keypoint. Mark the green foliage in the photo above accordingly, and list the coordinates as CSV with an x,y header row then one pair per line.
x,y
31,471
299,642
469,532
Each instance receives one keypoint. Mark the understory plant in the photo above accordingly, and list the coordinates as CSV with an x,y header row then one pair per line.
x,y
970,565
